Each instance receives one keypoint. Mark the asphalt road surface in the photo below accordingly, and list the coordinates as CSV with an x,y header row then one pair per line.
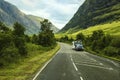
x,y
79,65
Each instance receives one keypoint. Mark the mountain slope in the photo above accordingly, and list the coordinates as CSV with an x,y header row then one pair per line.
x,y
109,28
37,21
9,14
94,12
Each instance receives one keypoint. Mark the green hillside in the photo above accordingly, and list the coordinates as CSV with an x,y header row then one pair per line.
x,y
109,28
94,12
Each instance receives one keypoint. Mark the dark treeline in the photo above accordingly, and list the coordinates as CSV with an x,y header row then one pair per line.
x,y
99,42
103,43
13,42
65,39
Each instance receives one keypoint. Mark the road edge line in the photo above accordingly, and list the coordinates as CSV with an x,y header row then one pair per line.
x,y
41,69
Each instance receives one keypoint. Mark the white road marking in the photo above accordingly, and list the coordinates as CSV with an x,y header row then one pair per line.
x,y
89,63
95,66
73,63
45,65
89,58
71,59
71,56
81,78
101,63
110,68
75,66
115,63
41,69
64,74
94,60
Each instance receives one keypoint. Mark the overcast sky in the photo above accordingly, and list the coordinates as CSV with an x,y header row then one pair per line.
x,y
59,12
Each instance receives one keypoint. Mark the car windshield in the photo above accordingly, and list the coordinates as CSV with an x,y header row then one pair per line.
x,y
78,42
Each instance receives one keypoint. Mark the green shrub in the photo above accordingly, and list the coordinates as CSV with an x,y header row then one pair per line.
x,y
27,38
106,40
32,47
20,44
5,40
119,51
96,35
80,36
111,51
9,55
34,39
12,43
116,42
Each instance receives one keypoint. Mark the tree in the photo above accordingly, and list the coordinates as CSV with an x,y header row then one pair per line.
x,y
5,40
80,36
45,25
12,44
18,29
3,28
97,39
27,38
116,42
66,38
71,39
46,36
97,34
8,51
35,39
106,40
19,38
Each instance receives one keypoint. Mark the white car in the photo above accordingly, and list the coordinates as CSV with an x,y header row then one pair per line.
x,y
77,45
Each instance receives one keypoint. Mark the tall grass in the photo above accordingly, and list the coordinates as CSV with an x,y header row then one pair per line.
x,y
27,67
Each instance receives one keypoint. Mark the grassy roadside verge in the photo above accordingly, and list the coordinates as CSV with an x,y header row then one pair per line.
x,y
102,55
26,68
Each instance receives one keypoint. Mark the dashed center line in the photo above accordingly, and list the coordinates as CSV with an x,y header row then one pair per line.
x,y
101,63
81,78
75,66
94,60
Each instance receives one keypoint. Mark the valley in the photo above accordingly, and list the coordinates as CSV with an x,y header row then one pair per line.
x,y
35,48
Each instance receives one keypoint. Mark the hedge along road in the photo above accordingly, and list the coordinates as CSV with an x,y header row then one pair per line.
x,y
68,64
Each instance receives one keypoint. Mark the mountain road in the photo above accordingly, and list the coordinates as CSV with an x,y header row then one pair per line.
x,y
69,64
